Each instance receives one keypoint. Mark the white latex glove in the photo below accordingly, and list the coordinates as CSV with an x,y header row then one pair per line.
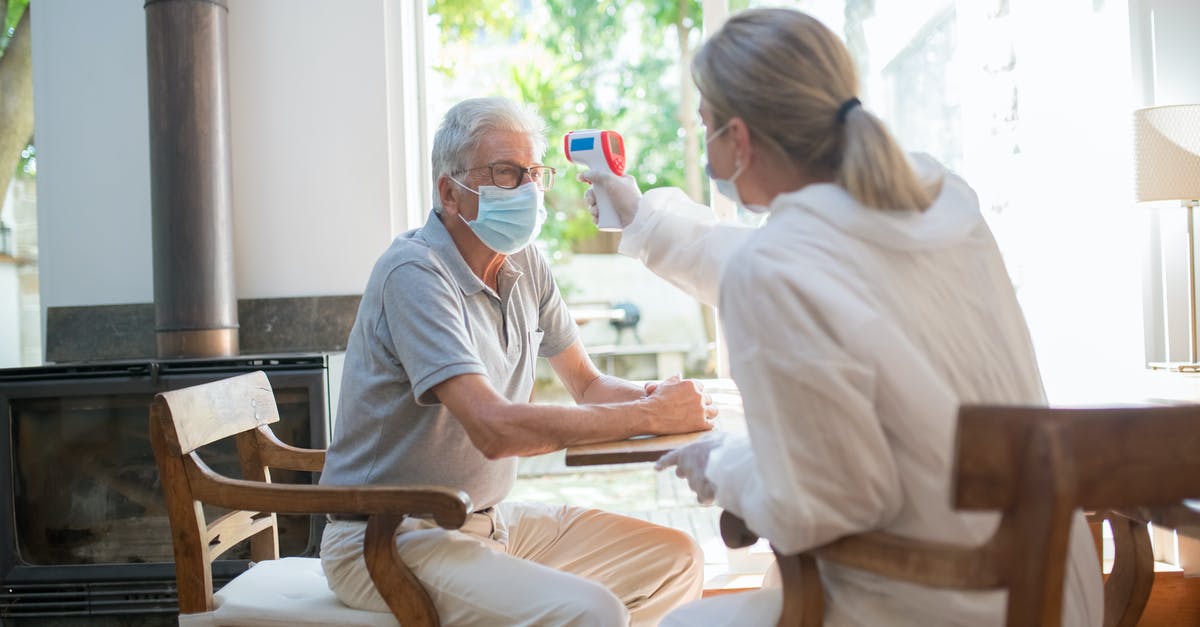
x,y
622,190
690,461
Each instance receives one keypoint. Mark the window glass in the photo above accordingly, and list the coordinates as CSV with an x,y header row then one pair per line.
x,y
1040,129
584,64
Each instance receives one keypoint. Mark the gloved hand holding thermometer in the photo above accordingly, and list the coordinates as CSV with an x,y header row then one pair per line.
x,y
602,151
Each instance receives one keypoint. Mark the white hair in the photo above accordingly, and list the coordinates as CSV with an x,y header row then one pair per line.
x,y
464,126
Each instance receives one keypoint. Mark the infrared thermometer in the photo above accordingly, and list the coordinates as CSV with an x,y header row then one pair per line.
x,y
598,150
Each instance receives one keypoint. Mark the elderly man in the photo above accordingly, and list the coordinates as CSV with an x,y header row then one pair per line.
x,y
438,374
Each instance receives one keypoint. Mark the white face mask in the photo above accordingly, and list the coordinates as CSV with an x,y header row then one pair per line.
x,y
728,187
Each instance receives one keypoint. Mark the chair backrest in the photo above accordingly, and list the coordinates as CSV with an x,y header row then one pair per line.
x,y
1036,465
181,422
1111,457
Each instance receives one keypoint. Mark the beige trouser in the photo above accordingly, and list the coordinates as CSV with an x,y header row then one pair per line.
x,y
530,564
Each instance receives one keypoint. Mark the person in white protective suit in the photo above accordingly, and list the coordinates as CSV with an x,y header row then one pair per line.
x,y
871,303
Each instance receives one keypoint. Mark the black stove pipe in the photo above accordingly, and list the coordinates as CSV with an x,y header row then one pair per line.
x,y
195,303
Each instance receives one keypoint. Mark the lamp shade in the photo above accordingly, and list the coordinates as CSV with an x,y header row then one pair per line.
x,y
1167,152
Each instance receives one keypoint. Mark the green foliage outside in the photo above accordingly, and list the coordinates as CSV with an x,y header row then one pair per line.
x,y
600,64
13,15
27,165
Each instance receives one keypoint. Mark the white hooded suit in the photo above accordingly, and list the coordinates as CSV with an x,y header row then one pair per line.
x,y
854,334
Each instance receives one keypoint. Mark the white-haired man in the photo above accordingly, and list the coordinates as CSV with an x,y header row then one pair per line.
x,y
438,376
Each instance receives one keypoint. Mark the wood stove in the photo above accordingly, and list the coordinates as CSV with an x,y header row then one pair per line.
x,y
84,536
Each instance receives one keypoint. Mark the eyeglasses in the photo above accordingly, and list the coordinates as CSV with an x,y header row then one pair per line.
x,y
507,175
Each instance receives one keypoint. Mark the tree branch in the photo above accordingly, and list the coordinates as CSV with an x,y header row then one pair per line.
x,y
16,100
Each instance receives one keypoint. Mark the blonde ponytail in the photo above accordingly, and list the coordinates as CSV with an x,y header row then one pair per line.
x,y
875,170
787,76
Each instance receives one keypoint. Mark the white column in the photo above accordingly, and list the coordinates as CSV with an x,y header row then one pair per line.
x,y
92,133
407,109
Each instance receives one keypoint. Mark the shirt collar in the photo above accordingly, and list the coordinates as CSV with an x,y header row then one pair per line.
x,y
435,234
438,238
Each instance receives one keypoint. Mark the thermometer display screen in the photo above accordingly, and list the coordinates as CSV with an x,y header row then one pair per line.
x,y
614,144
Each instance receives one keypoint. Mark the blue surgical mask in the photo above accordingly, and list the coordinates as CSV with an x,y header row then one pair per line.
x,y
728,187
508,219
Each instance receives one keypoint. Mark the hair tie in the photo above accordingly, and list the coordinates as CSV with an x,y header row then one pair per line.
x,y
845,109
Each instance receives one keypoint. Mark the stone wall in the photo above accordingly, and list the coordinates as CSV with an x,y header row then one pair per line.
x,y
267,326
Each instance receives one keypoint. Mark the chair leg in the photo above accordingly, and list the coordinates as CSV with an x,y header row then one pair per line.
x,y
803,595
1095,521
1128,586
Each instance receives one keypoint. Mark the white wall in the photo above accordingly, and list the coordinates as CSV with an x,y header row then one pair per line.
x,y
308,104
312,150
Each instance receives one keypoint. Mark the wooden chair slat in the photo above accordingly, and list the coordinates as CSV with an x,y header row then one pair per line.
x,y
230,529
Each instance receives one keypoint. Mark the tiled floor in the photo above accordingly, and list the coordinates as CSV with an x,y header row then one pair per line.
x,y
637,490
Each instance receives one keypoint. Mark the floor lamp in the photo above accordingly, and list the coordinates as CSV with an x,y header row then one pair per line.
x,y
1167,156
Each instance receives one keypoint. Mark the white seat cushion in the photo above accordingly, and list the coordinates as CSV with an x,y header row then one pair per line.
x,y
286,592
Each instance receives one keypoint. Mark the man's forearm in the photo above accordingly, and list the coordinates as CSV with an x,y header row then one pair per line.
x,y
500,428
609,389
522,430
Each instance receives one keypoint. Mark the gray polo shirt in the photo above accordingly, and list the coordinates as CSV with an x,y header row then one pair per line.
x,y
424,318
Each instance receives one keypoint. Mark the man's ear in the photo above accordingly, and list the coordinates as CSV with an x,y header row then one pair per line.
x,y
447,193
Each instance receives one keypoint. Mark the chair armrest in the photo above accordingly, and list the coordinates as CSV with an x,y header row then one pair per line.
x,y
276,454
446,506
734,531
928,563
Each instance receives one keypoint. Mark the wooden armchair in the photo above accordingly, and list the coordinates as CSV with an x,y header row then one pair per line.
x,y
291,590
1035,465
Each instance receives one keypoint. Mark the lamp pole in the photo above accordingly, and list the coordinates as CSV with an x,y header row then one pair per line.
x,y
1191,205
